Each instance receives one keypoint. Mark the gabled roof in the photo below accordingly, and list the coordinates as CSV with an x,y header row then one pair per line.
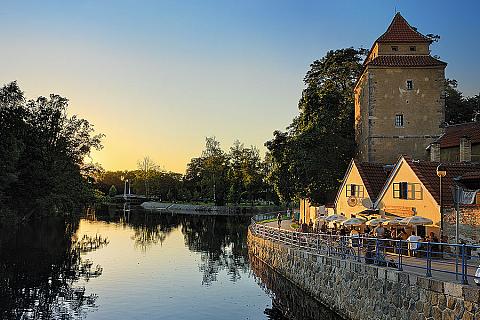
x,y
426,172
405,61
453,134
400,31
373,176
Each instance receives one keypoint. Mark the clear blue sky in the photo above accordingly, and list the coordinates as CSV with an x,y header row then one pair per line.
x,y
158,76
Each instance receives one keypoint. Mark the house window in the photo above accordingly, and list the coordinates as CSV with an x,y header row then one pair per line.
x,y
354,190
399,120
413,48
409,84
394,48
407,191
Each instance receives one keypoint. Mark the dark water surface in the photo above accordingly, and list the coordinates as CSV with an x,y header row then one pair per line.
x,y
142,265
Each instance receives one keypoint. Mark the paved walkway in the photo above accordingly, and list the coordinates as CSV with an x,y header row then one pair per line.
x,y
286,224
442,269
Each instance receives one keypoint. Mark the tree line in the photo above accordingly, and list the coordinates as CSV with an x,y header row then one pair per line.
x,y
235,176
43,151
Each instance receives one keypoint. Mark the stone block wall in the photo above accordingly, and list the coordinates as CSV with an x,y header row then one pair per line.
x,y
359,291
469,228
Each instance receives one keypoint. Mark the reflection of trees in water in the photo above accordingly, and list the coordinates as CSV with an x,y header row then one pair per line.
x,y
39,265
288,301
221,240
151,229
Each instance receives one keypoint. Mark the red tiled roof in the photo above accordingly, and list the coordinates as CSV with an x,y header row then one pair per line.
x,y
453,134
406,61
475,175
471,180
374,176
400,31
427,173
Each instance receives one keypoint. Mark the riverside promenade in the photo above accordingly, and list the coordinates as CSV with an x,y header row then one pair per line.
x,y
447,268
359,285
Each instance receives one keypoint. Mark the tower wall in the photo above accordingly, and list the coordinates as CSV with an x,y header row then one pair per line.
x,y
381,95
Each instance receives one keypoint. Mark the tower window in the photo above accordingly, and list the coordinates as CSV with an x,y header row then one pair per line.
x,y
413,48
394,48
399,120
409,84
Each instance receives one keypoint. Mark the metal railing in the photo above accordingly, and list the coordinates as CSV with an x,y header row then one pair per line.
x,y
445,261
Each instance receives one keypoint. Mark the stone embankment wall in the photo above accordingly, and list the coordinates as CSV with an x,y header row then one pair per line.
x,y
359,291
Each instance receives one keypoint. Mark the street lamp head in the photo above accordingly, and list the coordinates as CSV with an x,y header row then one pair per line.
x,y
441,172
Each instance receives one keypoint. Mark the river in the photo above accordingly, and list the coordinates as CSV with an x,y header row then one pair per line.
x,y
142,265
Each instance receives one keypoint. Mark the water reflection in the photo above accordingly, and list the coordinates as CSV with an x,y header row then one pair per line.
x,y
40,264
288,301
160,259
220,240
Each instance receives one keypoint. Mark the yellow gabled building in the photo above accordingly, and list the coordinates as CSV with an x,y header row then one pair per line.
x,y
413,188
360,187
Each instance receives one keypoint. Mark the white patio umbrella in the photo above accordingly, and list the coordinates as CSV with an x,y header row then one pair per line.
x,y
375,222
353,222
416,221
394,222
336,218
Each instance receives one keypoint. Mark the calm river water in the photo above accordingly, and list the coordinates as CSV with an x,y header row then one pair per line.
x,y
142,265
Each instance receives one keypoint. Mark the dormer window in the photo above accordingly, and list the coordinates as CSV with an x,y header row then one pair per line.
x,y
394,48
413,48
409,84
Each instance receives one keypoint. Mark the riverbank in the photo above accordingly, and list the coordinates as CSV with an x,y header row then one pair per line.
x,y
359,291
208,209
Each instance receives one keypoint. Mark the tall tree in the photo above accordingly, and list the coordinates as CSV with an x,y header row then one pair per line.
x,y
215,168
320,141
458,108
146,168
45,169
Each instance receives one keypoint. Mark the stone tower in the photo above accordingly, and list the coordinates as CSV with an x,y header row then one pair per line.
x,y
399,97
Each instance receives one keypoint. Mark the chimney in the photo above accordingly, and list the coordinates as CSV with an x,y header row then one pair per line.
x,y
435,152
465,149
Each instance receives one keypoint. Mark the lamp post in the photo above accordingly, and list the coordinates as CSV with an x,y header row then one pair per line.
x,y
125,181
441,173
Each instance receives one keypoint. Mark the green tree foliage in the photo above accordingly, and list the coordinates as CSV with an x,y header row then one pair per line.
x,y
43,152
459,109
233,177
105,179
214,171
312,156
112,192
237,176
146,168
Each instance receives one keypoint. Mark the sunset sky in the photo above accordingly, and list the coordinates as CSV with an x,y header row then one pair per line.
x,y
157,77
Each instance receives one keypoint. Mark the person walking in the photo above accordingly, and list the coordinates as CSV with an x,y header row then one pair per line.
x,y
279,219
